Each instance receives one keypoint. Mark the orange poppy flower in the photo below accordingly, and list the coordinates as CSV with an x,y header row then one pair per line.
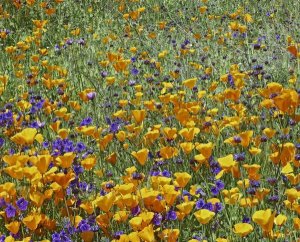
x,y
42,163
189,134
186,207
147,234
105,202
25,137
32,221
265,219
141,156
187,147
170,235
205,149
168,152
182,178
190,83
89,163
139,115
66,160
204,216
242,229
13,227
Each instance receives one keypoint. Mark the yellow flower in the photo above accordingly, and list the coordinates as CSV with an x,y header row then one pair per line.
x,y
88,163
136,223
280,220
141,156
190,83
87,236
187,147
25,137
186,207
182,178
292,194
32,221
147,234
204,216
205,149
66,160
168,152
43,163
265,219
13,227
296,223
189,133
221,240
169,235
105,202
112,158
226,162
139,115
242,229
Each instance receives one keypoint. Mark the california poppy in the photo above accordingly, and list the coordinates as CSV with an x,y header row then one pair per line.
x,y
25,137
141,155
242,229
204,216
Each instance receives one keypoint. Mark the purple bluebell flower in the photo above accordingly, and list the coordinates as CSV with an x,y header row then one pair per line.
x,y
83,186
131,82
10,211
86,121
171,215
2,202
135,71
214,191
136,210
263,138
78,169
272,180
69,41
22,204
157,218
200,203
137,176
246,220
115,127
166,173
251,190
81,41
273,198
91,95
201,192
104,74
219,184
109,185
154,173
254,183
237,139
239,156
118,234
56,48
84,226
209,206
219,207
80,147
230,80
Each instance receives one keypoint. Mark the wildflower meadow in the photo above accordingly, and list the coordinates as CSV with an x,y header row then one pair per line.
x,y
149,120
